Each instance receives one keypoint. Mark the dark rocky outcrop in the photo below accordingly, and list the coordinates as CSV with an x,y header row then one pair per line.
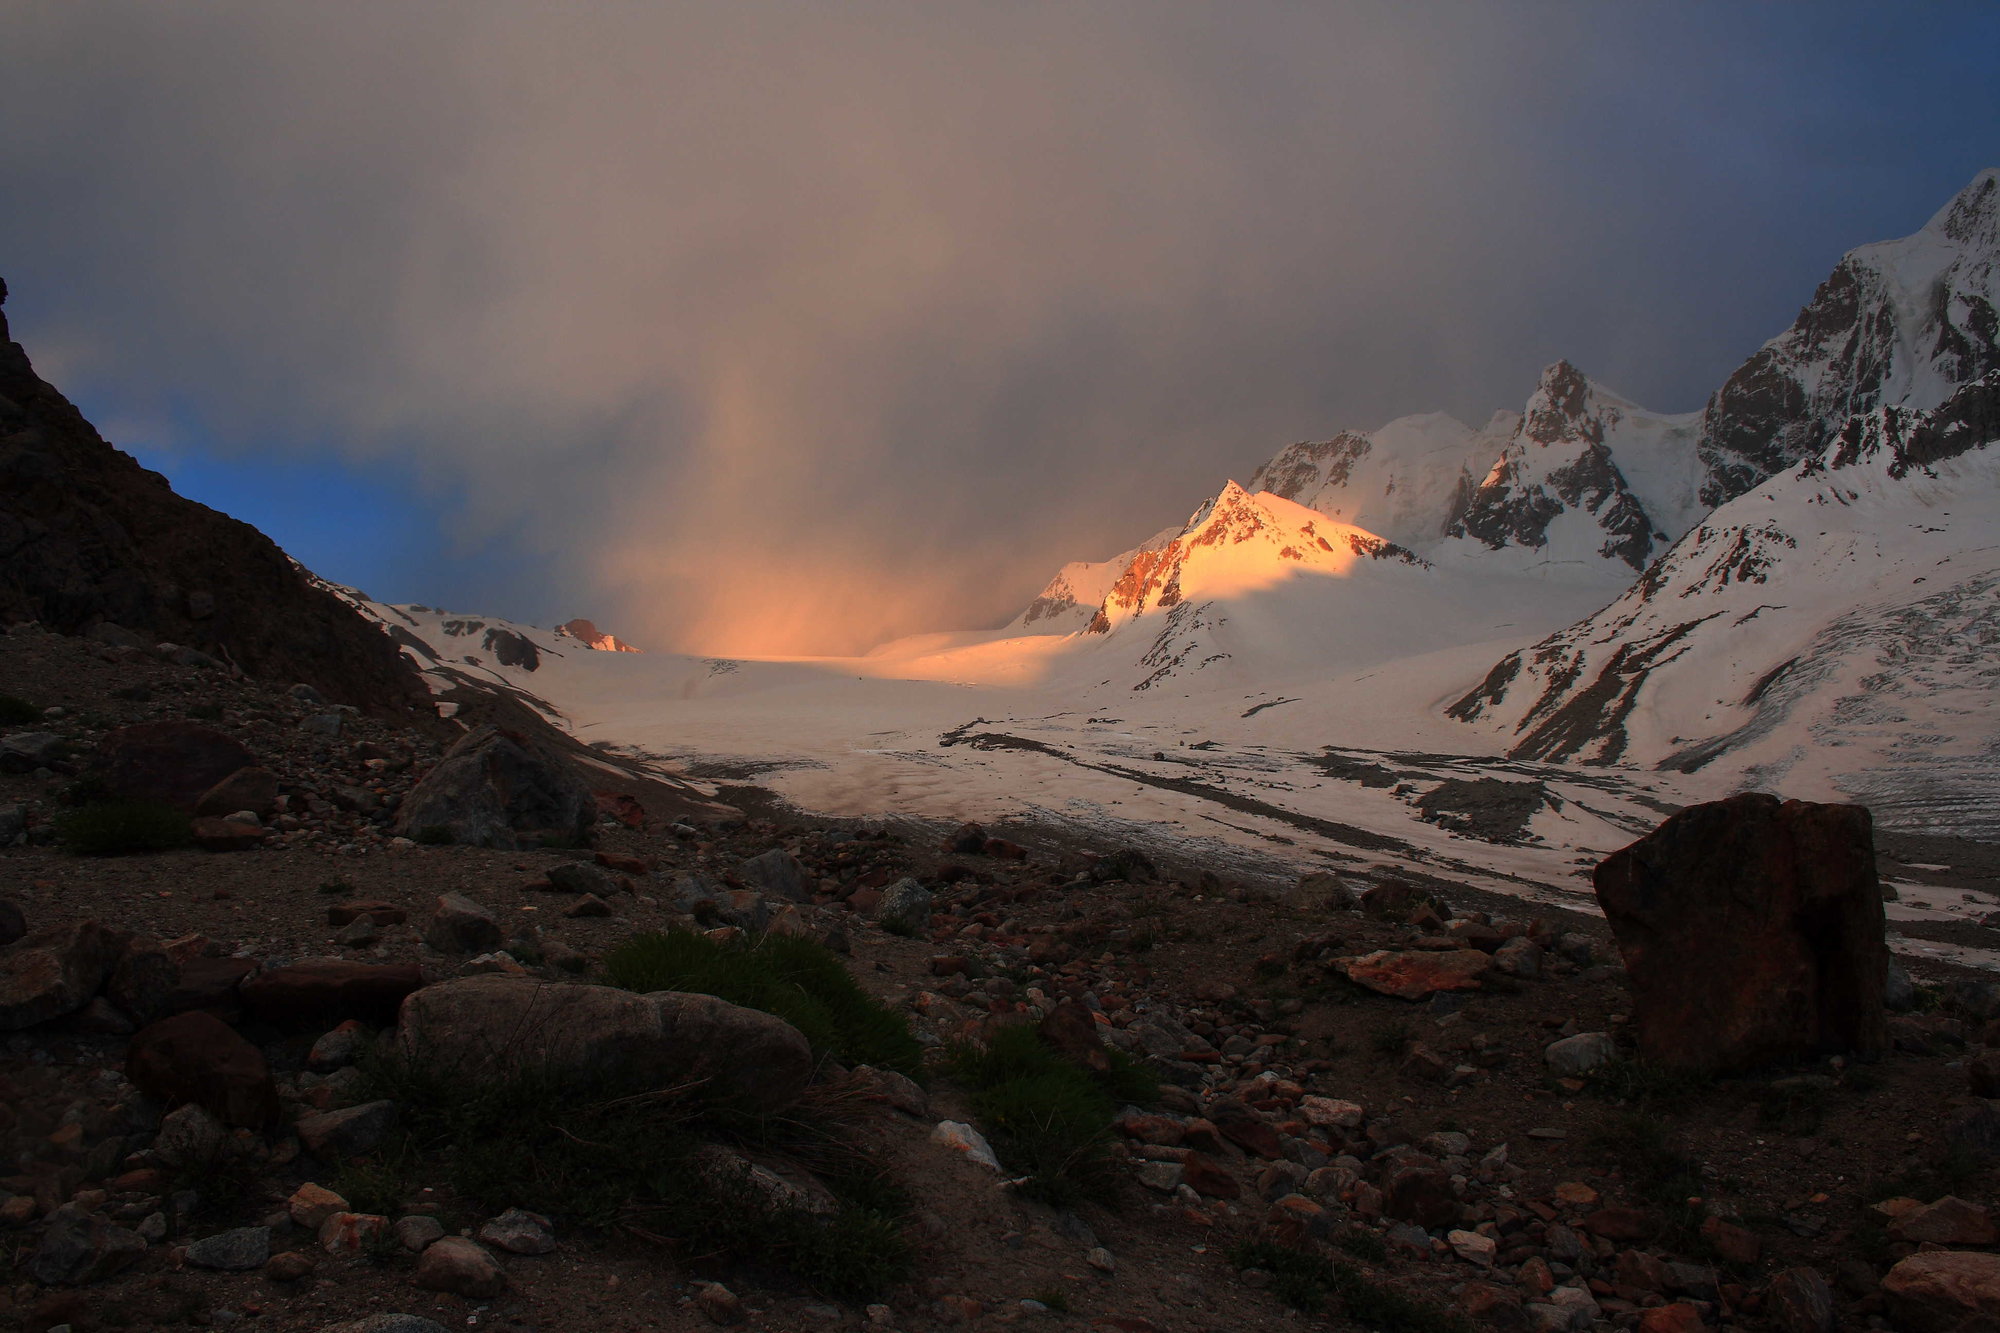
x,y
500,788
196,1057
1752,932
89,537
174,763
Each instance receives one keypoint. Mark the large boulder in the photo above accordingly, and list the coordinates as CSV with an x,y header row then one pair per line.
x,y
196,1057
174,763
498,788
500,1027
52,972
1752,933
1944,1289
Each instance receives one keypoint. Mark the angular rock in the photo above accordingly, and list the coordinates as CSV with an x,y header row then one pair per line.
x,y
26,751
352,1131
189,1137
1752,932
252,788
967,1142
291,1266
79,1248
1581,1054
1206,1177
496,1026
580,877
460,925
236,1251
174,763
1246,1129
778,873
1950,1221
227,835
52,972
1321,892
320,990
906,901
210,983
587,907
518,1231
1417,975
310,1205
1731,1243
1799,1301
196,1057
1519,957
1943,1290
338,1048
1420,1195
1070,1029
1333,1113
498,788
1165,1039
462,1267
719,1303
352,1234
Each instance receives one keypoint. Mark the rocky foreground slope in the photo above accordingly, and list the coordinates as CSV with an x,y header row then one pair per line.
x,y
1411,1106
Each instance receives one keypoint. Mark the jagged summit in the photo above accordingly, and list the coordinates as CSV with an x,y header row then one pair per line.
x,y
587,634
1900,322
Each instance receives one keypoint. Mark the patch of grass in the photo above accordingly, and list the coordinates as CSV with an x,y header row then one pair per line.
x,y
799,980
16,712
1645,1084
1363,1245
1309,1283
433,835
1049,1119
1392,1038
122,828
591,1158
382,1184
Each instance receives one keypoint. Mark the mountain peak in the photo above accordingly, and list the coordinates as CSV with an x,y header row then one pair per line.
x,y
1972,218
587,634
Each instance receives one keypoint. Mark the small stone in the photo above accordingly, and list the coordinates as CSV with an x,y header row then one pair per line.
x,y
349,1132
580,877
1330,1113
1950,1221
1731,1243
719,1303
590,905
417,1232
1101,1259
461,1266
964,1139
1581,1054
351,1234
460,925
1799,1301
338,1048
291,1266
236,1251
520,1232
189,1137
310,1205
1473,1247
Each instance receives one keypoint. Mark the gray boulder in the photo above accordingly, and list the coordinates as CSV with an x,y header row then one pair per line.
x,y
26,751
581,877
236,1251
1581,1054
906,901
460,925
80,1248
499,1027
777,872
500,789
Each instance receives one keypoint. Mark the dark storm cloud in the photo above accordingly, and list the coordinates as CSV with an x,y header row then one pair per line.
x,y
788,327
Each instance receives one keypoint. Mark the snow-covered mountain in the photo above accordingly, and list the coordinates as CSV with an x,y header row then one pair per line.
x,y
1899,322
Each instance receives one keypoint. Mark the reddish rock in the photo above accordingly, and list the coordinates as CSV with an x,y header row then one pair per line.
x,y
1944,1289
175,763
226,835
1752,932
461,1266
252,788
1949,1221
1490,1306
196,1057
1296,1221
51,972
330,990
1799,1301
1420,1195
382,914
623,864
1206,1178
1731,1243
1246,1129
1619,1223
1070,1029
1679,1317
210,983
967,840
625,809
1413,976
1001,849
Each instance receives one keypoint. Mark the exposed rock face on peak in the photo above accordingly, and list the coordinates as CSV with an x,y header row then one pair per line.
x,y
1561,483
586,633
88,537
1896,323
